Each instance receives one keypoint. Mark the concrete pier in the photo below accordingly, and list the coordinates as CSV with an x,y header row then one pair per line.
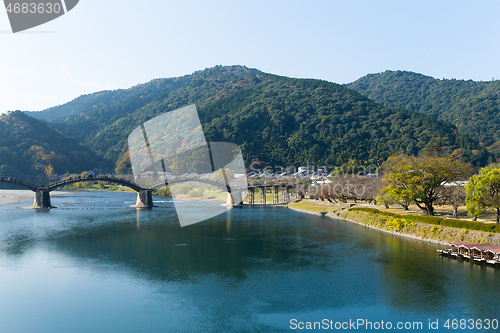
x,y
276,197
251,196
42,200
144,199
287,195
297,193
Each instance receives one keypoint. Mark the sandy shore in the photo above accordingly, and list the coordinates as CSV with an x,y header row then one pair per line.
x,y
12,196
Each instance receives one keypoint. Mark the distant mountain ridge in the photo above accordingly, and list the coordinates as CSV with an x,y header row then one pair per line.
x,y
61,111
474,107
280,120
28,146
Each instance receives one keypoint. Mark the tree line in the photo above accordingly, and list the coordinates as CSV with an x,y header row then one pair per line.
x,y
426,181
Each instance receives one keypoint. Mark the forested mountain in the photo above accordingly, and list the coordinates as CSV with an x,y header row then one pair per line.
x,y
279,120
61,111
474,107
28,146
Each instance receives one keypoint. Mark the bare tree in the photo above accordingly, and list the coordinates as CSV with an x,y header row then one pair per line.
x,y
350,187
453,195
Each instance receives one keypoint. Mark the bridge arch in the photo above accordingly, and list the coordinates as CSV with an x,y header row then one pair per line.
x,y
198,180
144,195
70,181
19,183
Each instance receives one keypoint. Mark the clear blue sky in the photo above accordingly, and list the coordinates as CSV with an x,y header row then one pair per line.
x,y
120,43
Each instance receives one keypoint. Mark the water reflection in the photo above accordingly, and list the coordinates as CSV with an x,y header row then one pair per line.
x,y
138,213
249,268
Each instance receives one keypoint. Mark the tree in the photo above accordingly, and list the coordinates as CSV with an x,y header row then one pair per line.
x,y
420,179
352,187
49,170
384,200
483,192
339,189
223,176
453,195
123,165
401,195
433,149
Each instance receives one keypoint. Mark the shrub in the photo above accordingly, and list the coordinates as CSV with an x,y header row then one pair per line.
x,y
470,225
182,188
165,191
374,211
196,192
427,219
397,224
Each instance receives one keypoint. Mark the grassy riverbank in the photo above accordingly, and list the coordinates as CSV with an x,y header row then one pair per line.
x,y
431,229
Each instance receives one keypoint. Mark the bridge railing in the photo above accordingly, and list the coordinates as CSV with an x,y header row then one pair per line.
x,y
91,178
18,182
130,183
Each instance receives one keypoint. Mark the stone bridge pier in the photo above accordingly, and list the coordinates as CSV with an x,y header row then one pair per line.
x,y
42,199
144,199
234,198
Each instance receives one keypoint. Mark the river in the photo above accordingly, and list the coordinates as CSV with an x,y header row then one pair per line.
x,y
96,265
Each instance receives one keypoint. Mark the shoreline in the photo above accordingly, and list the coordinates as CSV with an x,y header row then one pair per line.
x,y
430,233
334,216
20,196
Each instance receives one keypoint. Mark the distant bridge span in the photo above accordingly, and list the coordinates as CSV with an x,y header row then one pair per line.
x,y
192,179
144,195
53,186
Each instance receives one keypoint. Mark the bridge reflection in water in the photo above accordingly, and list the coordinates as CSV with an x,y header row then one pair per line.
x,y
145,195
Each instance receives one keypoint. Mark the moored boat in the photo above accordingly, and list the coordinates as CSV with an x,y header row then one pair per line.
x,y
474,251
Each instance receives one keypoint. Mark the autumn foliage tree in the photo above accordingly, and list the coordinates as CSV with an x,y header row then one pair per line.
x,y
49,170
420,179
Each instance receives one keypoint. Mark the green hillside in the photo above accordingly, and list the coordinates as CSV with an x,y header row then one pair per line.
x,y
471,106
28,145
279,120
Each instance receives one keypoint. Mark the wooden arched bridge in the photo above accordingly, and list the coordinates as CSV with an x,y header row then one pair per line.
x,y
42,192
144,195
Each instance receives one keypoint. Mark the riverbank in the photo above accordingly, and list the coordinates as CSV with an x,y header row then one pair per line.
x,y
13,196
406,226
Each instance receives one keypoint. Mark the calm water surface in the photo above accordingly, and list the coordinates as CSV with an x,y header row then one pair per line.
x,y
97,265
